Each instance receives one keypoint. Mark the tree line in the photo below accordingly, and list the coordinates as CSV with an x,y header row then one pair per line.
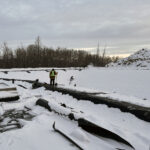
x,y
35,55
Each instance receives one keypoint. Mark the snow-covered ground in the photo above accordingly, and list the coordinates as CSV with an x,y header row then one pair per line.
x,y
38,134
122,84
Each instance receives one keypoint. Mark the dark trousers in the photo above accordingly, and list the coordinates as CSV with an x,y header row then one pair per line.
x,y
52,82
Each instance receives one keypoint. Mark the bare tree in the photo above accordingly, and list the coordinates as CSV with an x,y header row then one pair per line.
x,y
35,55
98,50
7,55
38,48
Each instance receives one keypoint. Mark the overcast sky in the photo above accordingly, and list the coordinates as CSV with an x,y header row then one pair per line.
x,y
123,26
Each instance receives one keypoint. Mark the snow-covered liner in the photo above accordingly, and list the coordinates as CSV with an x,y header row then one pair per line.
x,y
139,60
55,106
4,94
10,93
125,98
64,111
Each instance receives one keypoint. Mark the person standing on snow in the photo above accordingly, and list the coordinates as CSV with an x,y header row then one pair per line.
x,y
52,76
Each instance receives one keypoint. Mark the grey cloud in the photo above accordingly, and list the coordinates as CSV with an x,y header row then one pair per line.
x,y
81,22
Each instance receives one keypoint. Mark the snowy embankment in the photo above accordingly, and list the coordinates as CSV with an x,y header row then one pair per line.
x,y
122,84
38,133
138,60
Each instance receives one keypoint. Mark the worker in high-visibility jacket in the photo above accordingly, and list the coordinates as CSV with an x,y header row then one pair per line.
x,y
52,76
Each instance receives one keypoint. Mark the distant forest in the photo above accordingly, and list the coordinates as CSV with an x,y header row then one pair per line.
x,y
36,55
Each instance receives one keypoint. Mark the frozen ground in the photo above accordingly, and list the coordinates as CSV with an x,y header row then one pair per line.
x,y
123,84
127,85
38,133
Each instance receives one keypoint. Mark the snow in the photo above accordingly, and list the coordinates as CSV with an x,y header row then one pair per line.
x,y
3,85
35,135
129,85
124,124
138,60
80,135
4,94
7,93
